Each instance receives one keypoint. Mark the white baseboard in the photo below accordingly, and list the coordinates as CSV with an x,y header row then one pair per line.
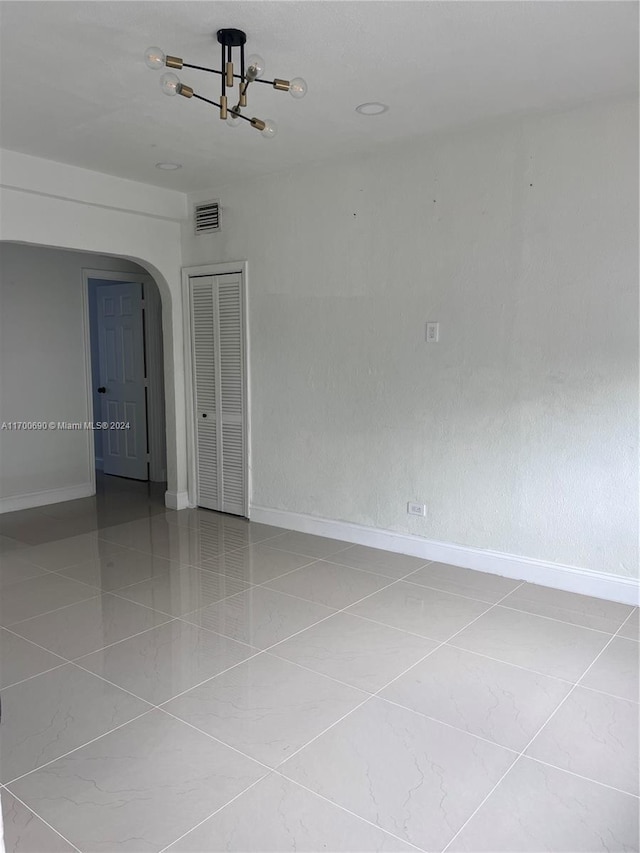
x,y
569,578
176,500
51,496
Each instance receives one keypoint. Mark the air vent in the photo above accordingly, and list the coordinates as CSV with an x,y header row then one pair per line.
x,y
207,217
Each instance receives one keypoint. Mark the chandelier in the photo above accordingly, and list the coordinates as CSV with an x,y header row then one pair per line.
x,y
251,71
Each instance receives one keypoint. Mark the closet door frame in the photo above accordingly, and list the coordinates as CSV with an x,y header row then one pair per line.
x,y
192,473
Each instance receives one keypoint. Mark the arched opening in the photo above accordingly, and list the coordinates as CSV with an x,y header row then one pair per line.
x,y
50,442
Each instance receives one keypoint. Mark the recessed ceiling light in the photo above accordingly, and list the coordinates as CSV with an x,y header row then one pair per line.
x,y
372,108
168,167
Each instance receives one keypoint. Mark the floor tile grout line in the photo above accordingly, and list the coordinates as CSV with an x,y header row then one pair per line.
x,y
403,630
115,594
44,649
55,609
248,586
271,771
440,644
273,654
582,776
328,558
405,579
183,618
328,561
180,567
81,746
562,621
508,663
193,687
269,649
79,562
30,677
490,604
357,568
258,651
538,731
392,582
447,724
610,695
39,817
180,527
538,672
331,559
514,609
152,705
349,811
380,689
208,817
109,645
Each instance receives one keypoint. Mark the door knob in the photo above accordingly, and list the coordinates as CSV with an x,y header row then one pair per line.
x,y
102,390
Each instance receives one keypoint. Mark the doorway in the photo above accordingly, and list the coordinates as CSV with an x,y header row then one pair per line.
x,y
127,375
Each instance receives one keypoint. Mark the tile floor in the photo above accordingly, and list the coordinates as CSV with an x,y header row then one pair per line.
x,y
187,681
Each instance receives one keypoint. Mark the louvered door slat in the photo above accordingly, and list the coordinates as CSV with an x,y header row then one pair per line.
x,y
233,468
230,320
203,345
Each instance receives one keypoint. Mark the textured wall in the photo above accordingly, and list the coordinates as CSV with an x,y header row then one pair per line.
x,y
519,429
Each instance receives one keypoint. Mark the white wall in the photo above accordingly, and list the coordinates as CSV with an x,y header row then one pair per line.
x,y
519,429
54,205
42,353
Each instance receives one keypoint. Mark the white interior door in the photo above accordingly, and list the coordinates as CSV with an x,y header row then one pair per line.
x,y
218,357
122,380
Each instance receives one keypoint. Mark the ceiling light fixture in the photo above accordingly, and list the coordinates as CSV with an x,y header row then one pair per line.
x,y
250,71
168,167
372,108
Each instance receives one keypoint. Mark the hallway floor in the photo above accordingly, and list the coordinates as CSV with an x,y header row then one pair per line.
x,y
188,681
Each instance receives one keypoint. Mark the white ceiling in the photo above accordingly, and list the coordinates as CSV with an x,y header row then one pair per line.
x,y
75,89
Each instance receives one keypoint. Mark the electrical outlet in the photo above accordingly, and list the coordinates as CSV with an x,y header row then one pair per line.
x,y
432,333
416,509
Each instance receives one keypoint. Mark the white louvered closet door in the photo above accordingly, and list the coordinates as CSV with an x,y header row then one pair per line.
x,y
217,329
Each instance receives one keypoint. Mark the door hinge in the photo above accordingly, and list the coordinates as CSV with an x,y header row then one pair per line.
x,y
148,457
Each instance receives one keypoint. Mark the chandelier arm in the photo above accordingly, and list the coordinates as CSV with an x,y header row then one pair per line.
x,y
202,68
216,71
224,76
215,104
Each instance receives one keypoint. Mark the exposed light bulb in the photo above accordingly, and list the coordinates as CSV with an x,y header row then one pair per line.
x,y
270,129
233,118
298,87
255,65
170,83
154,57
